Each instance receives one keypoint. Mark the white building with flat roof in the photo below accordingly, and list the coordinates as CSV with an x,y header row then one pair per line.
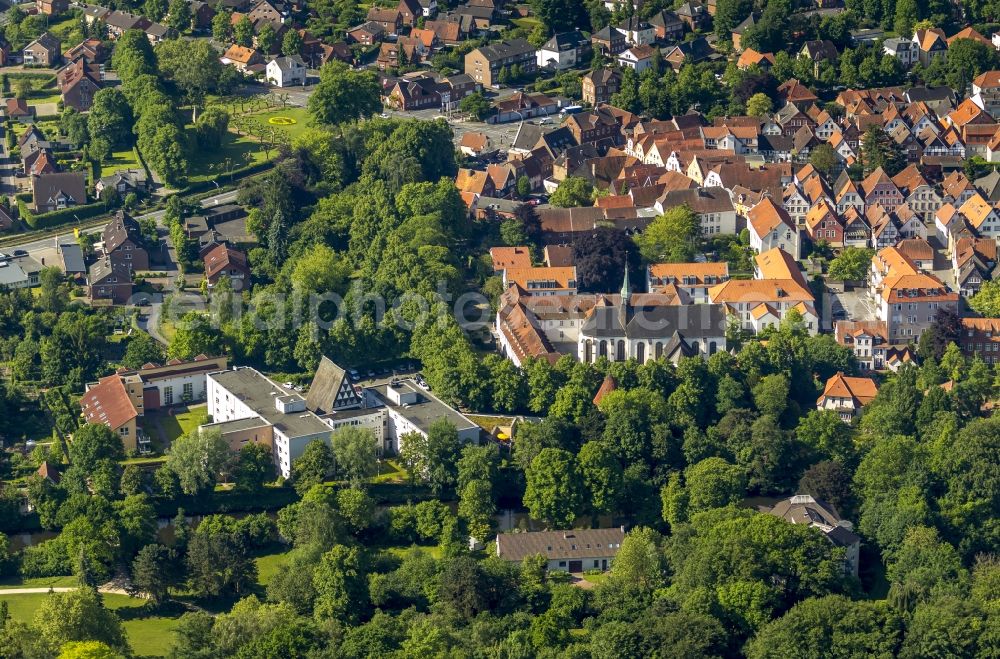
x,y
244,393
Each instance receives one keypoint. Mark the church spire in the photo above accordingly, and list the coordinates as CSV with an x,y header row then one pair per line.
x,y
626,289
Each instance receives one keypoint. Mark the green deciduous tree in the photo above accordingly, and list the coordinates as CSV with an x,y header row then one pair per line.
x,y
573,191
851,264
671,237
555,491
79,615
356,455
313,466
199,459
344,95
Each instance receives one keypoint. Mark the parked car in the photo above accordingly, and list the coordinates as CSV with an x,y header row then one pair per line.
x,y
20,252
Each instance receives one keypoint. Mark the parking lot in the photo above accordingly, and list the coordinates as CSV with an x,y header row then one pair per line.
x,y
853,305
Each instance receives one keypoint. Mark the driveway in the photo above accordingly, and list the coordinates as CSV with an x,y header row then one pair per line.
x,y
849,305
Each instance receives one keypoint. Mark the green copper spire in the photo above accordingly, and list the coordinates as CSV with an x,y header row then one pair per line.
x,y
626,289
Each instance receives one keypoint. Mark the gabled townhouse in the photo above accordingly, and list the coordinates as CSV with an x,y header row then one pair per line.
x,y
857,231
795,203
919,251
824,224
848,196
982,216
879,188
920,196
867,339
637,32
885,231
910,224
956,188
771,226
973,262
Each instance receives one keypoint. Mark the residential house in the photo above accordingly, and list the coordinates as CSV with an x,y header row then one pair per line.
x,y
738,31
78,82
109,283
713,205
691,52
564,51
485,63
202,14
122,242
366,34
242,58
57,190
608,41
46,50
667,25
878,188
847,395
574,551
693,14
906,299
389,19
520,106
593,127
980,337
973,262
600,85
222,261
931,44
123,181
638,58
17,109
286,71
823,223
637,32
920,196
771,226
119,22
904,50
804,509
867,339
751,58
51,7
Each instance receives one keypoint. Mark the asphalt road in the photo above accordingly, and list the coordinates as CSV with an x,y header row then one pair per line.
x,y
68,237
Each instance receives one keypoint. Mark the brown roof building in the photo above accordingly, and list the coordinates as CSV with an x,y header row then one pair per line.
x,y
569,551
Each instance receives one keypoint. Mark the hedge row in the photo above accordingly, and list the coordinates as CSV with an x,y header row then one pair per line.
x,y
59,217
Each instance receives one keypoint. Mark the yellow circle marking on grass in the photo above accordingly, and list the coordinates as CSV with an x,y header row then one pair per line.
x,y
282,121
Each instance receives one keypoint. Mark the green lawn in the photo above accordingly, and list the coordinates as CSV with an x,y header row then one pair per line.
x,y
235,152
299,115
39,582
124,159
149,635
46,96
177,424
268,565
434,551
391,471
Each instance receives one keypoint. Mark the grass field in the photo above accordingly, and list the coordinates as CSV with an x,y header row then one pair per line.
x,y
149,635
268,565
299,115
177,424
124,159
239,151
391,471
39,582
